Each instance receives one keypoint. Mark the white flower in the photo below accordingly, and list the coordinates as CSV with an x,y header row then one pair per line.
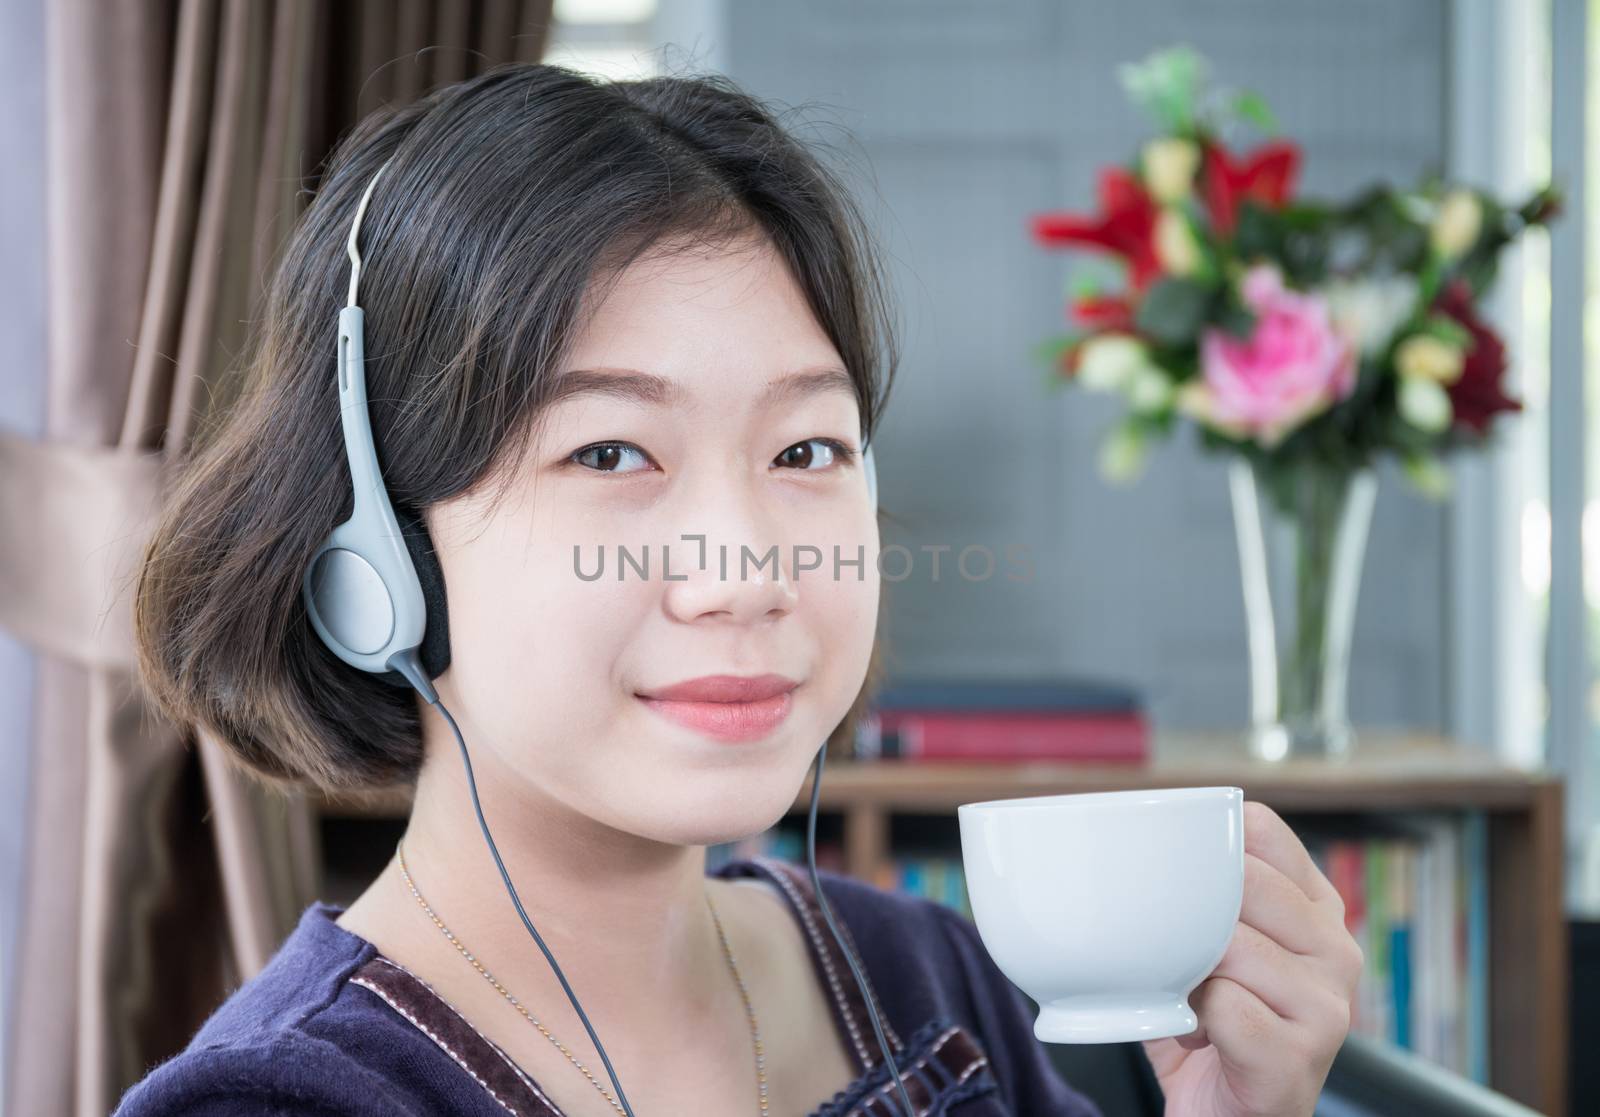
x,y
1424,404
1368,311
1425,357
1169,167
1176,247
1150,390
1456,226
1110,362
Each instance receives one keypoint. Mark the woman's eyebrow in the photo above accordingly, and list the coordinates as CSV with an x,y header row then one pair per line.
x,y
807,382
649,388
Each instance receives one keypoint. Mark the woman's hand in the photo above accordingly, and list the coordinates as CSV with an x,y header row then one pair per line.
x,y
1275,1010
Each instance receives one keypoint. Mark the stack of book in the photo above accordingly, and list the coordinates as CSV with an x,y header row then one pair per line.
x,y
1416,898
939,878
1005,721
780,842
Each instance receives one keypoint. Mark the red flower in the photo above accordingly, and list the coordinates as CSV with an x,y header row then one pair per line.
x,y
1104,313
1265,176
1477,395
1126,227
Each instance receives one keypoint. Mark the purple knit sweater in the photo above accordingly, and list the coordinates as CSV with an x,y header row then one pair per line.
x,y
332,1028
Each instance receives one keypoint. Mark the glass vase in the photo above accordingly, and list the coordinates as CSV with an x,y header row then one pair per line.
x,y
1302,533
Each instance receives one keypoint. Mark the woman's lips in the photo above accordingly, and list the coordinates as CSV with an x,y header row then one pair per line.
x,y
726,721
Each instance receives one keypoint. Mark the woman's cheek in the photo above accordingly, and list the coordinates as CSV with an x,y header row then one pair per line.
x,y
531,640
846,625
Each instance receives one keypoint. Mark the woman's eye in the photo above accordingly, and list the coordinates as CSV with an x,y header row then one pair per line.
x,y
606,457
802,456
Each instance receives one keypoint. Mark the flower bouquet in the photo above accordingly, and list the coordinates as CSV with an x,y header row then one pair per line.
x,y
1304,338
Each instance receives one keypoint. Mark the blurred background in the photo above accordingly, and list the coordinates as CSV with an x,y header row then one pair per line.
x,y
155,151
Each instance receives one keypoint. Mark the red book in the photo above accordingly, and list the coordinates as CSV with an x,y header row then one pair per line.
x,y
1347,873
1121,738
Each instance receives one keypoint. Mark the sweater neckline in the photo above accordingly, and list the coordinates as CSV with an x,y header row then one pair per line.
x,y
936,1041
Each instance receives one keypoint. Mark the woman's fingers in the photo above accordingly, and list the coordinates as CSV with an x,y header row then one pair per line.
x,y
1269,837
1277,1005
1290,984
1276,906
1269,1064
1240,1025
1280,910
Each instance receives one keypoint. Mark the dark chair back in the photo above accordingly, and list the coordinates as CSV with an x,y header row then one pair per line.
x,y
1368,1079
1116,1076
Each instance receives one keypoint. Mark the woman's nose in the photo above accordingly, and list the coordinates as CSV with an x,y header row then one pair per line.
x,y
741,583
741,570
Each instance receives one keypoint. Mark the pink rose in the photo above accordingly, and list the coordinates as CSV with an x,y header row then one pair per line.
x,y
1292,366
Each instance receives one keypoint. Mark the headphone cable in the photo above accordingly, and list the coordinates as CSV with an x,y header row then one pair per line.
x,y
849,955
409,665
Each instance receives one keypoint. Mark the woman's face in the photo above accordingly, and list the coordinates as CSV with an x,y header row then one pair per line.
x,y
707,404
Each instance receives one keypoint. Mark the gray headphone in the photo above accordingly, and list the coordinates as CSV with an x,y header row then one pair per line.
x,y
374,582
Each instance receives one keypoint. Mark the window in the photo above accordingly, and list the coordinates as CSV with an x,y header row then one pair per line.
x,y
608,38
1548,302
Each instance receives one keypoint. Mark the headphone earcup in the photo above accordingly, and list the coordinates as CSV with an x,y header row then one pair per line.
x,y
434,651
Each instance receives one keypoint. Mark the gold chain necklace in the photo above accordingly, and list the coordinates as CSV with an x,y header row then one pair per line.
x,y
727,952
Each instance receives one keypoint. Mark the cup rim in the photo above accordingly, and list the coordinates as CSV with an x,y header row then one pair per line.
x,y
1091,798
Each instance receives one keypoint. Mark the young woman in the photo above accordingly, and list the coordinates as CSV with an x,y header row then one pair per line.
x,y
607,316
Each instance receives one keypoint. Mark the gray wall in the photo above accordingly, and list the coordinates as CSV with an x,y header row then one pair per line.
x,y
974,115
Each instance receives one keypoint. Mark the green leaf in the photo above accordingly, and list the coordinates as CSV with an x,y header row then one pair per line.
x,y
1085,287
1051,379
1173,311
1428,279
1166,85
1236,320
1258,232
1250,105
1448,330
1122,452
1050,349
1541,207
1427,475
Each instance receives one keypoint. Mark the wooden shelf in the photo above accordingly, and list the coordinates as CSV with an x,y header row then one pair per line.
x,y
1388,771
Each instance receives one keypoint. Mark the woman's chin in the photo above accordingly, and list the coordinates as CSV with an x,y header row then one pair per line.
x,y
706,815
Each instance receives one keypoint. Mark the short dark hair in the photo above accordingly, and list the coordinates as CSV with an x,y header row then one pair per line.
x,y
506,196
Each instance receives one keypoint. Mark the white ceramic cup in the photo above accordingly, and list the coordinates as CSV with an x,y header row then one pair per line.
x,y
1107,908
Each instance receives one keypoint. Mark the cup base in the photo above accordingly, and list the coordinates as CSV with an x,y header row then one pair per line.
x,y
1114,1018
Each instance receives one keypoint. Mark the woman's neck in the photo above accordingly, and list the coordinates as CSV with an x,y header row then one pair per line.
x,y
625,917
628,923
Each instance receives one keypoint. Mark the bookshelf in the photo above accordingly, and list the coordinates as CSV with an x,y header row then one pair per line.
x,y
1391,778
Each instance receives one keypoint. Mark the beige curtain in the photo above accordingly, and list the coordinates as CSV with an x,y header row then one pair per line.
x,y
157,876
